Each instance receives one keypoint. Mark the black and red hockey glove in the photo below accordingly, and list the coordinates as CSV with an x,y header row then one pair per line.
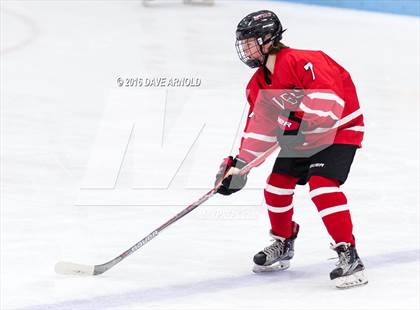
x,y
233,182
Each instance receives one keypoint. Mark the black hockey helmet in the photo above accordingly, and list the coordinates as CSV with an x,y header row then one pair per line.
x,y
252,31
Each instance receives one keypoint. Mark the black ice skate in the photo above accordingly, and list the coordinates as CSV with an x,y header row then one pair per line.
x,y
349,271
277,256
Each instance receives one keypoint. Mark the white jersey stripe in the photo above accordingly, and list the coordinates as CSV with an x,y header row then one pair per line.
x,y
253,152
340,122
327,96
260,137
279,191
348,118
306,109
356,128
279,209
324,190
332,210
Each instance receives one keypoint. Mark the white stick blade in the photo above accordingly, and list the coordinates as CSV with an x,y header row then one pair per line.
x,y
73,269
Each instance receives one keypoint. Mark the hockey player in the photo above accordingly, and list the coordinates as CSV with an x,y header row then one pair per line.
x,y
307,103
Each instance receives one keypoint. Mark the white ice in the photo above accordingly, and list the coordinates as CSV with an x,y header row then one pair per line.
x,y
65,124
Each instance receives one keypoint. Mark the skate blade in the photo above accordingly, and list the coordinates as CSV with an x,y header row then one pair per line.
x,y
356,279
277,266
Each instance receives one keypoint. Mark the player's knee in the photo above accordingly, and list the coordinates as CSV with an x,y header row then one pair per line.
x,y
279,190
317,181
281,180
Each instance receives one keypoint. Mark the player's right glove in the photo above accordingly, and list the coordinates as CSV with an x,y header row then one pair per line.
x,y
232,182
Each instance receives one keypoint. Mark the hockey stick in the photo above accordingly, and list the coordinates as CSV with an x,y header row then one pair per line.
x,y
79,269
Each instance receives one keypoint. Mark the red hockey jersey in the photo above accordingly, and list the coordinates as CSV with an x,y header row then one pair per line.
x,y
309,93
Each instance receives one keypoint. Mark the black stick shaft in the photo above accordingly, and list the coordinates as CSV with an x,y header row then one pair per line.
x,y
98,269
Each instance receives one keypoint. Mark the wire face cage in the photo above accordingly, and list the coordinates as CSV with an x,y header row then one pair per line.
x,y
249,52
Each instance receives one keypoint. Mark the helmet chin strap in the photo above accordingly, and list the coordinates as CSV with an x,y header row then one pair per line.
x,y
260,46
261,43
265,59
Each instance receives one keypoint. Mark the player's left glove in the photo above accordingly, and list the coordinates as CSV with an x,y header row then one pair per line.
x,y
232,182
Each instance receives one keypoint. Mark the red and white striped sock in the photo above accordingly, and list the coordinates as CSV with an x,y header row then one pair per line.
x,y
278,200
332,206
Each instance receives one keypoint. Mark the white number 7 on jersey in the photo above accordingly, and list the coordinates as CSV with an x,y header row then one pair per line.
x,y
309,66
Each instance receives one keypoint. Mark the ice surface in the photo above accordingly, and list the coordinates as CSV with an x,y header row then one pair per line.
x,y
59,67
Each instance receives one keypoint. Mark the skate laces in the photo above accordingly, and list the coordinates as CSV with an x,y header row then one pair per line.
x,y
276,249
344,256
